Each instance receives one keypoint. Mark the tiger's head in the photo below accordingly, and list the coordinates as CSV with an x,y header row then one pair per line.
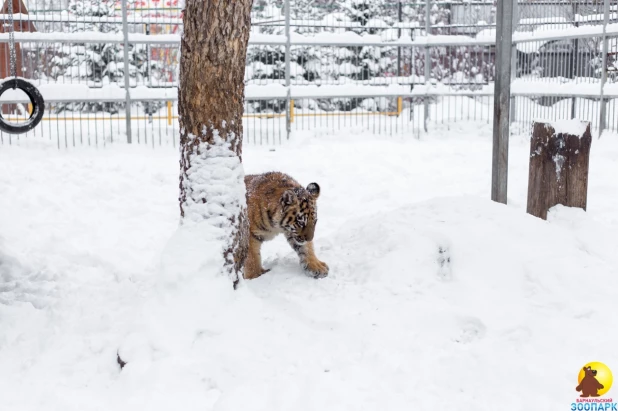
x,y
299,206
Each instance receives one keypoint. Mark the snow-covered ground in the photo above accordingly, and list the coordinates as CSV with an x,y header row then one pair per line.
x,y
437,298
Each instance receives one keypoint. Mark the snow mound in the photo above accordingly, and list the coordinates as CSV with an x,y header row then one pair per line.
x,y
427,304
22,284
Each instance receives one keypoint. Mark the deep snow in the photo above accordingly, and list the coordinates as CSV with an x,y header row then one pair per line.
x,y
437,297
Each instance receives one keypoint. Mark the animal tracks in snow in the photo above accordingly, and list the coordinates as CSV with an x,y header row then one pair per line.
x,y
470,329
444,263
444,255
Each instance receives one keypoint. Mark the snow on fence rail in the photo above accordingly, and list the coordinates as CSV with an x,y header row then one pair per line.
x,y
72,93
347,39
404,98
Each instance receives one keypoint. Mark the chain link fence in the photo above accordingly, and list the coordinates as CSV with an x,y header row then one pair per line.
x,y
108,70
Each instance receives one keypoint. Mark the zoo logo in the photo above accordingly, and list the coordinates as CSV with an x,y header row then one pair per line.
x,y
594,380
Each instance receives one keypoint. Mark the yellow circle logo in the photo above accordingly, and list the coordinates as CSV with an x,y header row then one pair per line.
x,y
594,379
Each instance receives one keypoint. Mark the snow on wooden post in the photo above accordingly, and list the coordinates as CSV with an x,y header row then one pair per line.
x,y
558,174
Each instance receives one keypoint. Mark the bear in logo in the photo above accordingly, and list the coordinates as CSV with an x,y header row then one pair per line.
x,y
589,384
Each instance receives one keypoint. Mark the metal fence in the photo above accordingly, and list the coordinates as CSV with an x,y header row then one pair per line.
x,y
108,70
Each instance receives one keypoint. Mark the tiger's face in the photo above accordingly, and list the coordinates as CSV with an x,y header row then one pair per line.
x,y
300,213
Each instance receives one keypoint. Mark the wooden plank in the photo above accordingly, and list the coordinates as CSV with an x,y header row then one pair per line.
x,y
559,162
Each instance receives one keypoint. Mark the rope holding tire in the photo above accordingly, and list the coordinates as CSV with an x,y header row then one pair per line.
x,y
36,99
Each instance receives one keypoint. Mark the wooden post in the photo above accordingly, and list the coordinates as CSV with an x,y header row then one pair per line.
x,y
18,26
559,157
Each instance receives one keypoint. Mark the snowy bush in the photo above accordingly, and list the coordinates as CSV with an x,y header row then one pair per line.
x,y
462,67
97,64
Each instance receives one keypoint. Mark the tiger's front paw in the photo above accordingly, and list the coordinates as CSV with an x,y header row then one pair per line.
x,y
317,268
252,272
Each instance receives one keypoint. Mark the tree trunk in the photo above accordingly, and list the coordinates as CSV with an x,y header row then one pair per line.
x,y
210,107
559,157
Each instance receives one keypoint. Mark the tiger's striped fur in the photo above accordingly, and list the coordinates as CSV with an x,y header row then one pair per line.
x,y
278,204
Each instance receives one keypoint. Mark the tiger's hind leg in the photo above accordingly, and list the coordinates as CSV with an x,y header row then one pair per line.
x,y
308,259
253,263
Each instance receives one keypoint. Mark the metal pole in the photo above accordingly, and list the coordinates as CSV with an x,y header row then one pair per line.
x,y
574,60
502,94
127,83
288,123
513,108
513,105
400,13
427,60
148,58
603,108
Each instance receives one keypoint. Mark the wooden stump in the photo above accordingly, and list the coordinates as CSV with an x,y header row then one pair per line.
x,y
559,157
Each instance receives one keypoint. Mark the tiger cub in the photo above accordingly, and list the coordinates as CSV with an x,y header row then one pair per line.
x,y
278,204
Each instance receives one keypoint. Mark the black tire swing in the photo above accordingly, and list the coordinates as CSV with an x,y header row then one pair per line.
x,y
36,99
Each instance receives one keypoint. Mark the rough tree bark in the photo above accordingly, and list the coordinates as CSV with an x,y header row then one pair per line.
x,y
558,171
210,107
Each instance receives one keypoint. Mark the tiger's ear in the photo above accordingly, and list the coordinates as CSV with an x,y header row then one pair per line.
x,y
314,189
288,197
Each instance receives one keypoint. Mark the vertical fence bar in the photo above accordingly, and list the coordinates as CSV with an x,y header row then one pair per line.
x,y
127,82
148,68
502,92
288,75
513,108
574,60
399,15
603,107
427,62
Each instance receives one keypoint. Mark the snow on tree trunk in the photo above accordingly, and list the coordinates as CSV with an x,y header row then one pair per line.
x,y
210,106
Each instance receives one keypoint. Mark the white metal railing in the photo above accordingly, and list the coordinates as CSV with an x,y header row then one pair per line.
x,y
412,37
